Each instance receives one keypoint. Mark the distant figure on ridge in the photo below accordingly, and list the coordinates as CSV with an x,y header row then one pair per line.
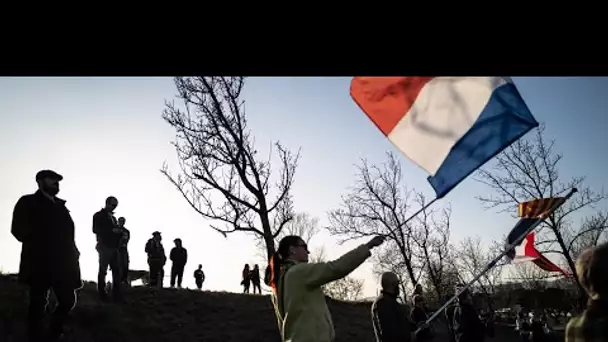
x,y
199,277
49,256
123,251
389,318
156,259
300,306
255,279
179,258
246,282
108,234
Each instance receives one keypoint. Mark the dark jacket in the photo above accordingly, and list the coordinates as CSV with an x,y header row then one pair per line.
x,y
467,325
418,317
389,319
199,275
49,255
103,225
255,276
155,251
179,256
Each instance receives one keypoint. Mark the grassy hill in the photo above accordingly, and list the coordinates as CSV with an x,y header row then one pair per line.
x,y
174,315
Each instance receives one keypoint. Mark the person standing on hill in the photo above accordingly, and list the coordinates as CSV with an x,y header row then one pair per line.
x,y
123,251
389,318
179,258
300,306
156,259
246,282
255,279
108,235
49,256
199,277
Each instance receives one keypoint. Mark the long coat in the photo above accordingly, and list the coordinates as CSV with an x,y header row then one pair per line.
x,y
49,256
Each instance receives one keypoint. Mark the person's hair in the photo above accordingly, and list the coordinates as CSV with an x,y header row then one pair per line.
x,y
246,266
122,219
592,269
111,199
273,271
200,265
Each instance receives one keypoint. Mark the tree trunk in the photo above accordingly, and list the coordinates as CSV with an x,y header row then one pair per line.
x,y
561,243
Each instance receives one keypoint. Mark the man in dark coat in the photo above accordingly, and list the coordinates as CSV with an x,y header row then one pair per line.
x,y
108,234
466,323
123,251
389,318
49,256
156,259
179,258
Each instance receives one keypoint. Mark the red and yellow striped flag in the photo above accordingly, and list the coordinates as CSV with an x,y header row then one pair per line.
x,y
539,208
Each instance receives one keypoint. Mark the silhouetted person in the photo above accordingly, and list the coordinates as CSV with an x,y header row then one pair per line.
x,y
389,318
49,256
246,282
255,279
108,234
467,325
418,316
592,271
199,277
123,251
156,259
179,258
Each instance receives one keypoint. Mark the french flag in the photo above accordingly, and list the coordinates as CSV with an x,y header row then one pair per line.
x,y
449,126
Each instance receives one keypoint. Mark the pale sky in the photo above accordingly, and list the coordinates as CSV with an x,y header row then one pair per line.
x,y
106,136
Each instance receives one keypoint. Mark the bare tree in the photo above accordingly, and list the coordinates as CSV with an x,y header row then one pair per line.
x,y
302,225
377,205
347,289
220,164
529,169
388,259
432,238
472,258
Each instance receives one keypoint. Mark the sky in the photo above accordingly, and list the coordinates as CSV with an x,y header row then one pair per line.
x,y
106,137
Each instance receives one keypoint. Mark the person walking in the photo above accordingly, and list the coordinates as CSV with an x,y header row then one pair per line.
x,y
300,305
199,277
49,256
108,235
156,259
123,251
255,279
179,258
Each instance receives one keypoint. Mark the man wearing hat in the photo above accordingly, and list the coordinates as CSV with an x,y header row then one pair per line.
x,y
156,259
49,256
179,257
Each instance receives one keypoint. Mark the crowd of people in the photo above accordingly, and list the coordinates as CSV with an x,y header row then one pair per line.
x,y
50,261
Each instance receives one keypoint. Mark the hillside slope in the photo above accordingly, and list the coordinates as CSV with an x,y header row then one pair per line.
x,y
174,315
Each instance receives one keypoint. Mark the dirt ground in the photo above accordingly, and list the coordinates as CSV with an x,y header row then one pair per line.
x,y
184,315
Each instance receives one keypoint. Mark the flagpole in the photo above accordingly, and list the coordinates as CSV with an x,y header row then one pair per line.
x,y
493,262
414,214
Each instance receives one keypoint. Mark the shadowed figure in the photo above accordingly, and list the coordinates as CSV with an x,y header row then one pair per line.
x,y
246,282
466,323
179,258
389,318
123,251
108,235
199,277
255,279
156,259
49,256
592,271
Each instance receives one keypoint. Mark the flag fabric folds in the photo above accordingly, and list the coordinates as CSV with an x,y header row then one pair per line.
x,y
449,126
532,214
526,251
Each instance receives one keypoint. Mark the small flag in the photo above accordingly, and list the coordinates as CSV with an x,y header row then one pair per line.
x,y
526,251
540,207
449,126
